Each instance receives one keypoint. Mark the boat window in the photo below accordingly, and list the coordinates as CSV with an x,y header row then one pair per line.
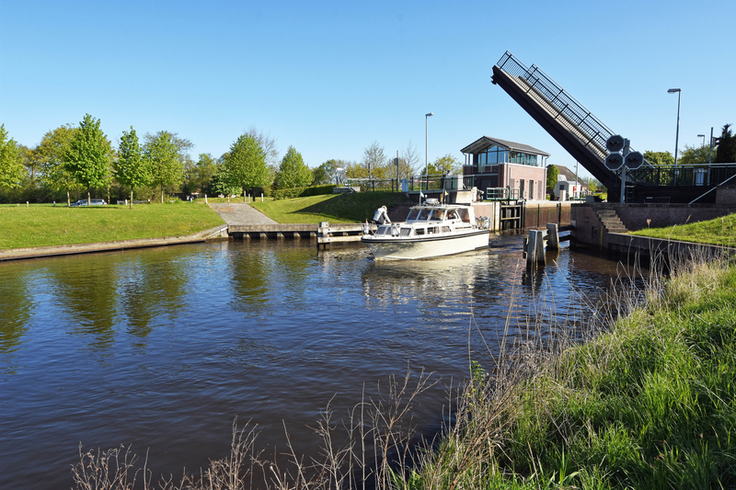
x,y
445,229
426,213
419,231
440,214
383,230
464,215
453,215
405,231
413,214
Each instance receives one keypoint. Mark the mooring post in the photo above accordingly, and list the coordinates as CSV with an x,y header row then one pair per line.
x,y
323,234
539,252
535,249
553,236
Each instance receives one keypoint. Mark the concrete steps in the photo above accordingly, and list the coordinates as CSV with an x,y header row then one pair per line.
x,y
610,220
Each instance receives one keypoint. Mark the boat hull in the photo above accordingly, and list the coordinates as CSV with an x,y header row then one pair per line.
x,y
395,248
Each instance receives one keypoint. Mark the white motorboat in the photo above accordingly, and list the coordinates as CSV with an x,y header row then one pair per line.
x,y
430,230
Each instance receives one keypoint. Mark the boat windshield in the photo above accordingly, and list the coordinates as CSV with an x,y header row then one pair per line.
x,y
426,214
413,214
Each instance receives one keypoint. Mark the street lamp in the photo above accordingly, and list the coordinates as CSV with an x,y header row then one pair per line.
x,y
702,136
426,147
677,134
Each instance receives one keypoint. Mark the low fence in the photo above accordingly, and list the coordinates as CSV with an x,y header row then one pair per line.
x,y
134,202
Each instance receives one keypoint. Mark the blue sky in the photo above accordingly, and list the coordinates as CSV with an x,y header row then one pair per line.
x,y
331,78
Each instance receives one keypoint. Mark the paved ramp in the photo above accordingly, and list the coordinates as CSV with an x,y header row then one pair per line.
x,y
241,213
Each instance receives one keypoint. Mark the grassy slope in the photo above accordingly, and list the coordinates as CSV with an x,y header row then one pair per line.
x,y
340,208
650,404
45,225
718,231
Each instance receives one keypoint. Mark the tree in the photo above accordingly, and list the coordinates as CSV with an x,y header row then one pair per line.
x,y
726,146
131,168
325,173
694,154
374,160
245,166
447,164
204,171
553,174
292,171
659,157
164,153
408,161
50,153
87,157
11,161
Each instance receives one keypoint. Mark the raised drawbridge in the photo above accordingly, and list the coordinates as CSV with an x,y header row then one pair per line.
x,y
573,126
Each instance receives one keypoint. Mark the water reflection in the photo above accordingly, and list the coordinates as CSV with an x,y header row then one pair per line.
x,y
15,309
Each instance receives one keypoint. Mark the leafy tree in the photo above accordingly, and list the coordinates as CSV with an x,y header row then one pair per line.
x,y
292,171
164,153
659,157
87,157
694,154
11,161
131,168
325,173
50,153
726,146
374,160
245,165
447,164
553,174
204,171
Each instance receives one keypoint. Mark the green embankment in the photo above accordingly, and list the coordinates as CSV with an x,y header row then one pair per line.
x,y
337,208
718,231
44,225
649,404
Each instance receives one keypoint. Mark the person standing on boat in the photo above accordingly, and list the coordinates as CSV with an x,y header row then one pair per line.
x,y
381,216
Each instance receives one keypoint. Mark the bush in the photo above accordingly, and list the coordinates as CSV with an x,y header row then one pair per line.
x,y
294,192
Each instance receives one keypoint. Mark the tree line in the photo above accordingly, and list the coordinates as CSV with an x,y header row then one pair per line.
x,y
73,161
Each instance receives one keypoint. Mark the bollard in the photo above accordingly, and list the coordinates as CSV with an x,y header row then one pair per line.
x,y
261,196
205,198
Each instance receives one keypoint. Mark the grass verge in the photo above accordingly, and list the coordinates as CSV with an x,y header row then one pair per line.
x,y
47,225
337,208
650,404
717,231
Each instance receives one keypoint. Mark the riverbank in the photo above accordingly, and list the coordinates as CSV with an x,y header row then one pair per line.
x,y
648,404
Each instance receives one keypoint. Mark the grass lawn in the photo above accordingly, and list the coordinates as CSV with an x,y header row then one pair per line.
x,y
336,208
718,231
44,225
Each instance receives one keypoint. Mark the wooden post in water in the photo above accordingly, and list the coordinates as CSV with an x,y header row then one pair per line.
x,y
535,249
553,236
539,252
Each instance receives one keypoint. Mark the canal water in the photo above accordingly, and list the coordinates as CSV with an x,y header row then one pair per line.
x,y
163,348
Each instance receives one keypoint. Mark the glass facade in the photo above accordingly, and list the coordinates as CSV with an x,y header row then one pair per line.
x,y
495,155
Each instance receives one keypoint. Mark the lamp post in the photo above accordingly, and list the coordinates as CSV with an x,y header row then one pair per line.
x,y
426,147
677,134
702,136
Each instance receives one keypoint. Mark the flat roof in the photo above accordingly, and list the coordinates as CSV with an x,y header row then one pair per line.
x,y
484,142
